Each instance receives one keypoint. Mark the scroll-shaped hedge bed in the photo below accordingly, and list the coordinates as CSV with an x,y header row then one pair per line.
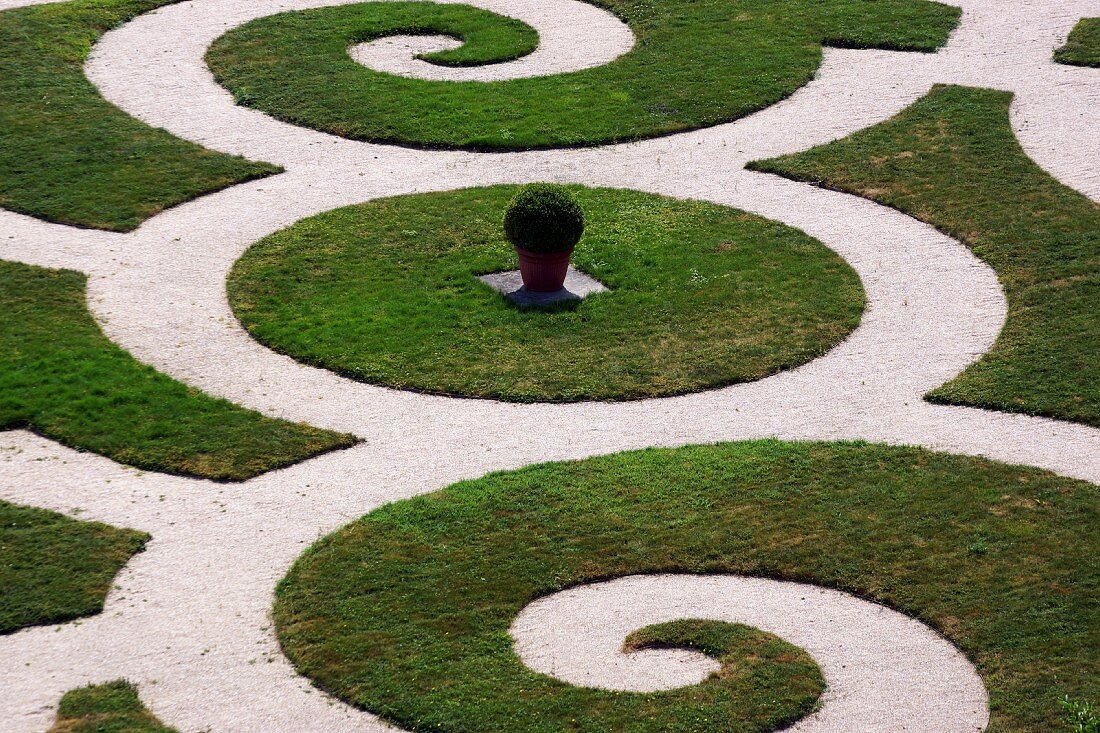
x,y
696,63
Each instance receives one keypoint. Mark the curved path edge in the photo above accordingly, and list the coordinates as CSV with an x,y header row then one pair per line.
x,y
884,670
189,619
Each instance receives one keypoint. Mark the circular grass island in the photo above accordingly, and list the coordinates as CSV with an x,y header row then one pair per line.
x,y
406,612
695,63
699,296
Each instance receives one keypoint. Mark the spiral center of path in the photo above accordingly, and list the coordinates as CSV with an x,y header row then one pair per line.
x,y
573,36
885,671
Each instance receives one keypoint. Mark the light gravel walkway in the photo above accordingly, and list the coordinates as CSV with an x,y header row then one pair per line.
x,y
10,4
885,671
189,620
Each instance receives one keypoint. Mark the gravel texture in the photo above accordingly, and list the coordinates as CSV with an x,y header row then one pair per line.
x,y
188,622
885,671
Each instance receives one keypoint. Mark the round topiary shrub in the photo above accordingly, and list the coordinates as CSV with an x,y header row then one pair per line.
x,y
544,217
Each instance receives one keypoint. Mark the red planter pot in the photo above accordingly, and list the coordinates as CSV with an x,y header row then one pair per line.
x,y
543,272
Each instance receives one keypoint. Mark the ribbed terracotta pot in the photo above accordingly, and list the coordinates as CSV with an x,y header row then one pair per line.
x,y
543,272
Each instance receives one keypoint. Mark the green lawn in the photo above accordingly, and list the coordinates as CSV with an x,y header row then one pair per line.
x,y
696,63
55,569
406,612
700,296
61,377
110,708
764,679
66,155
953,161
1083,45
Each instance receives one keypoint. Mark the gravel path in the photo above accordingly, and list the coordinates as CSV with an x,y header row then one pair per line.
x,y
886,672
189,622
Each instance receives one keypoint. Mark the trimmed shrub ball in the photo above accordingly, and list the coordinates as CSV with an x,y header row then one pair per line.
x,y
544,217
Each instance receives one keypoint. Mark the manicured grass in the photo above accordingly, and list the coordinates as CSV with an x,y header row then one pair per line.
x,y
1083,45
55,569
763,677
61,377
953,161
110,708
66,154
696,63
1082,716
406,611
700,296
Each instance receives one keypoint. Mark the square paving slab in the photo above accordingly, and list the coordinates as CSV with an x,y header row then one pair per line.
x,y
578,286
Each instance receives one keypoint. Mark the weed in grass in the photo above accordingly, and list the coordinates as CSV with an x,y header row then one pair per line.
x,y
1081,715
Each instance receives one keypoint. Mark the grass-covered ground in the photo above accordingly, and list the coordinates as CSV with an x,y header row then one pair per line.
x,y
766,681
700,296
110,708
55,569
696,63
61,377
953,161
66,154
1083,45
406,611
